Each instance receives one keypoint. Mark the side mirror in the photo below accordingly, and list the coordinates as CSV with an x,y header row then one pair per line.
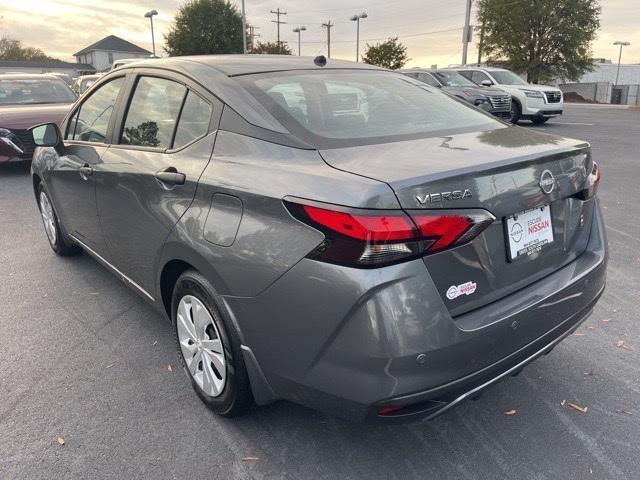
x,y
47,135
8,149
486,83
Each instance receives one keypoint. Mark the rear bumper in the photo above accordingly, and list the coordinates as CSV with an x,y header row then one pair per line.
x,y
352,342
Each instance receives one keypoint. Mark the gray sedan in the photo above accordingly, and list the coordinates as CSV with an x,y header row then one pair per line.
x,y
325,232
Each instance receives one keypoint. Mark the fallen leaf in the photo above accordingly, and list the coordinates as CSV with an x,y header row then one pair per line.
x,y
621,344
579,334
563,402
155,343
60,440
169,369
590,327
249,459
605,320
578,407
626,412
109,366
588,374
510,412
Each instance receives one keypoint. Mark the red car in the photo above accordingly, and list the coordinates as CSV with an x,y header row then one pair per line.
x,y
27,100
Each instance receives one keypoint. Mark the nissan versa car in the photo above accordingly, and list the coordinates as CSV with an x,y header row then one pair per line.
x,y
324,232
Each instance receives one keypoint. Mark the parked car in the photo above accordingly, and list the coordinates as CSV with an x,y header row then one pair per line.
x,y
493,100
537,103
124,61
381,260
81,84
66,78
27,100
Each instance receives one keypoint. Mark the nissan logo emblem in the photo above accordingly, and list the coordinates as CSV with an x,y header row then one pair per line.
x,y
547,182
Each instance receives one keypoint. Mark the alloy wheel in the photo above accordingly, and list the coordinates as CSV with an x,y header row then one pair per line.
x,y
201,345
48,218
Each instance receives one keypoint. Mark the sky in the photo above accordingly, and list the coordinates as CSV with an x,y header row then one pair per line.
x,y
431,29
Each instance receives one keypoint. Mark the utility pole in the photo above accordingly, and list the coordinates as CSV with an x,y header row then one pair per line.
x,y
328,26
277,13
466,34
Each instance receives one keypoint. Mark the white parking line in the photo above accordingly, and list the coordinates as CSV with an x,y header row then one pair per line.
x,y
573,123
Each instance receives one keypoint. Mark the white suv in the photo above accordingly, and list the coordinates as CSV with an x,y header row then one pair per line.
x,y
537,103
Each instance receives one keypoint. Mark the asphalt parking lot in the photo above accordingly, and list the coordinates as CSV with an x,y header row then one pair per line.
x,y
83,358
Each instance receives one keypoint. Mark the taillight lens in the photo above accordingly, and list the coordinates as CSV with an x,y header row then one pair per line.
x,y
374,238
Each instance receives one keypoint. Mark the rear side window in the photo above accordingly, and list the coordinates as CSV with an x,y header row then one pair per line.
x,y
194,120
91,122
331,109
153,113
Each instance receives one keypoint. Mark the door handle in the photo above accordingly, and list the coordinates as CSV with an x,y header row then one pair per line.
x,y
85,171
170,177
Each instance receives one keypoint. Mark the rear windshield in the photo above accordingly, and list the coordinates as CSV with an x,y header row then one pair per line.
x,y
15,91
336,108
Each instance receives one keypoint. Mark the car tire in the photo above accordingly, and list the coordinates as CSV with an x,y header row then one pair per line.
x,y
539,121
515,112
56,233
209,346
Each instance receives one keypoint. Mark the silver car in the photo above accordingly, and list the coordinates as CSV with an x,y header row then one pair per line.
x,y
325,232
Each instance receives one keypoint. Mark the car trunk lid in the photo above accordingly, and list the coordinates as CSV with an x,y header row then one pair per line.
x,y
504,171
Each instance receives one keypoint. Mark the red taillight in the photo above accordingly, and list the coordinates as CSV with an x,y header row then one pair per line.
x,y
373,238
376,228
445,228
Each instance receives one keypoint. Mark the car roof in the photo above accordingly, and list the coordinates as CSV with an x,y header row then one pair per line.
x,y
233,65
474,67
29,76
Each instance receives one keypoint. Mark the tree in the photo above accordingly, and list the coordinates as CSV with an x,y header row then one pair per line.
x,y
205,26
390,54
546,39
11,49
271,48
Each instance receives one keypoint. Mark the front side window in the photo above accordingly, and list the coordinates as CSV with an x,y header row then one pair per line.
x,y
153,113
428,79
91,122
479,77
505,77
453,79
194,120
335,108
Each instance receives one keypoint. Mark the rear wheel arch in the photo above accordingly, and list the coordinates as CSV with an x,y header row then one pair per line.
x,y
168,278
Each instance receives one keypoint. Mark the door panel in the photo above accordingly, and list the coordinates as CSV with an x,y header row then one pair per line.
x,y
74,193
137,211
72,182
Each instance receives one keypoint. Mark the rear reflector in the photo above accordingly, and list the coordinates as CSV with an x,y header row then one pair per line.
x,y
374,238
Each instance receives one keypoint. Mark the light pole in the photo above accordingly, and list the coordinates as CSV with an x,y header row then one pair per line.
x,y
244,30
622,44
150,15
356,18
299,30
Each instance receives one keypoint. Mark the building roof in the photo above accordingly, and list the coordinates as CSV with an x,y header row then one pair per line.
x,y
115,44
232,65
45,64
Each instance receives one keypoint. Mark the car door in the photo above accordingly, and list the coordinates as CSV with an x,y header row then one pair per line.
x,y
71,182
148,178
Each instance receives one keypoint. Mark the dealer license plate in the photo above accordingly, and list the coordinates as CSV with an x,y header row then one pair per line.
x,y
528,232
